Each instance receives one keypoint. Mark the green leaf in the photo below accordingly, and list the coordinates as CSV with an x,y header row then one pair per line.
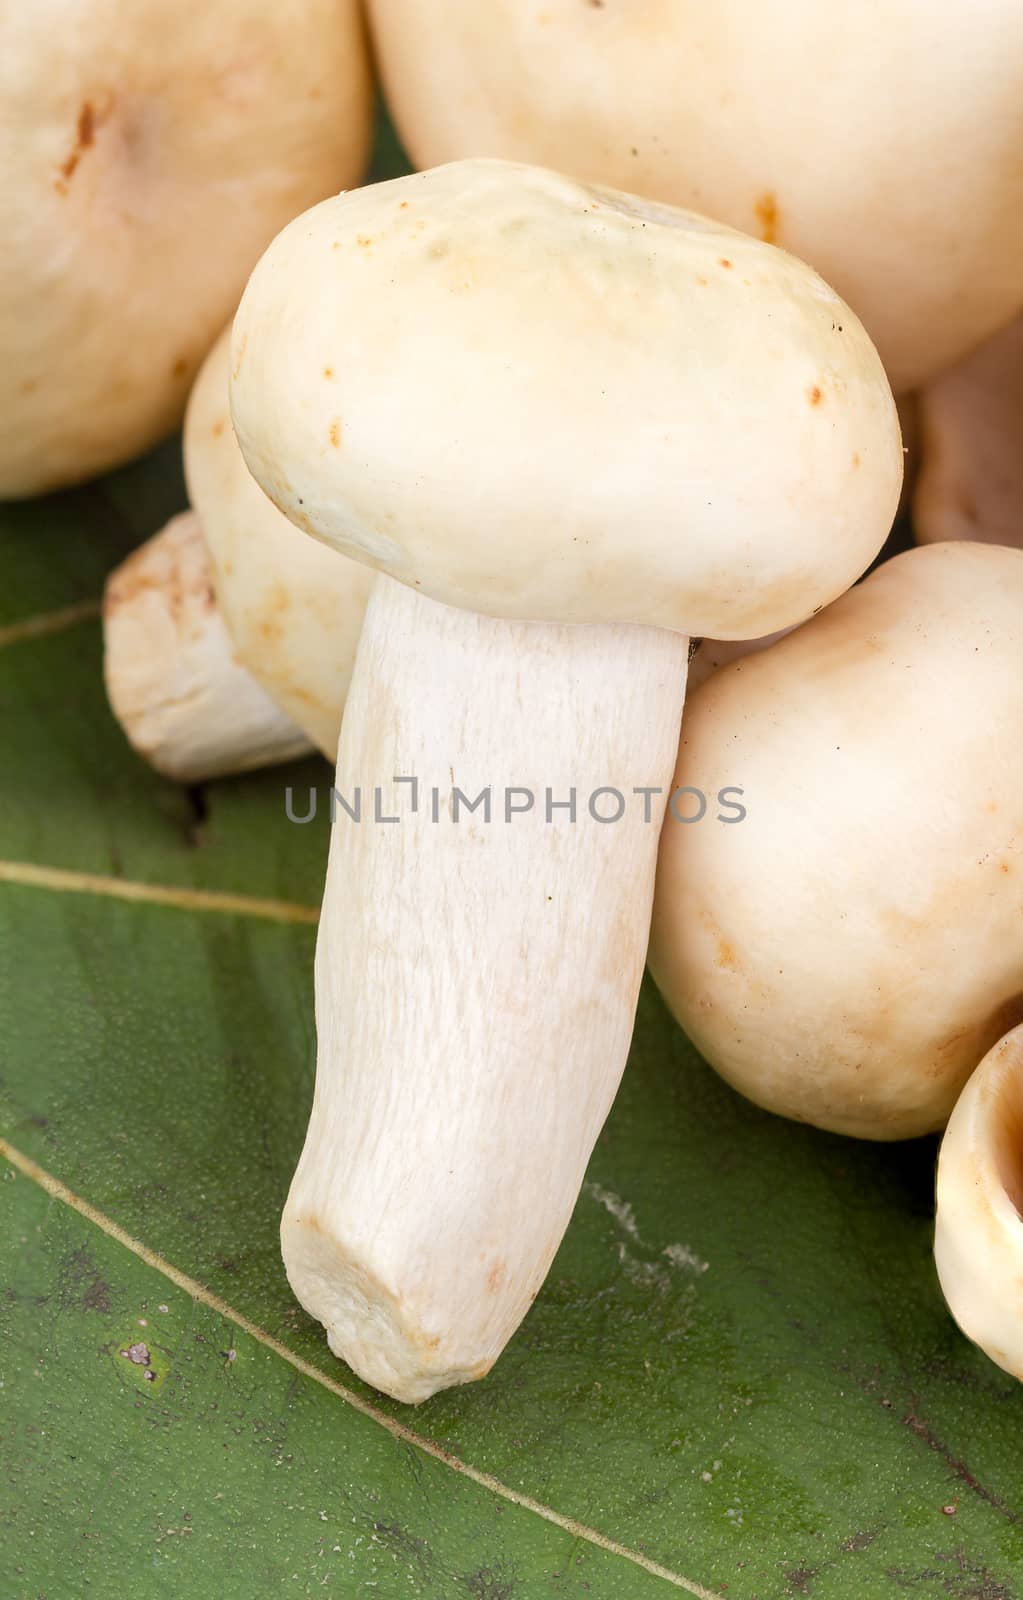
x,y
739,1373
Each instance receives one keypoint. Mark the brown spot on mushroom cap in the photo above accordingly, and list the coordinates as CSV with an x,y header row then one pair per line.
x,y
85,138
179,368
328,372
724,262
495,1277
86,126
335,433
816,395
218,427
726,956
766,210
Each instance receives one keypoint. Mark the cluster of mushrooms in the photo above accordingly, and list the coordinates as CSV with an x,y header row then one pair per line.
x,y
474,456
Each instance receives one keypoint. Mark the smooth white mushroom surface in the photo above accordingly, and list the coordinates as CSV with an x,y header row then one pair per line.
x,y
847,953
149,153
879,143
971,481
576,427
292,607
978,1241
721,447
173,679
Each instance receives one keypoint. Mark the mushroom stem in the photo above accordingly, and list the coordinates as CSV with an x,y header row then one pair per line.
x,y
476,976
174,684
978,1244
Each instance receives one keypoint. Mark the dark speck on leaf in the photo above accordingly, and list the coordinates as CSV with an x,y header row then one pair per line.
x,y
82,1287
859,1541
486,1584
799,1579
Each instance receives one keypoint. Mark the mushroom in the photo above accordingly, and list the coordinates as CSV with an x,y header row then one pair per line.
x,y
978,1238
293,607
847,951
149,158
971,482
173,679
895,170
230,638
575,427
710,655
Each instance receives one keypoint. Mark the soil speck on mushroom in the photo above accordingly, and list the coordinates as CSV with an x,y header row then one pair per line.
x,y
766,210
85,137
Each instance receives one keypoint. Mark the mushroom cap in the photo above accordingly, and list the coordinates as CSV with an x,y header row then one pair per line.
x,y
823,128
971,480
537,399
978,1240
293,608
846,953
149,158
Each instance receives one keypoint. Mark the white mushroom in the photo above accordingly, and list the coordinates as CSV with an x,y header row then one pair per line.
x,y
971,481
150,152
293,608
883,147
847,952
711,654
230,638
547,405
978,1241
173,679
